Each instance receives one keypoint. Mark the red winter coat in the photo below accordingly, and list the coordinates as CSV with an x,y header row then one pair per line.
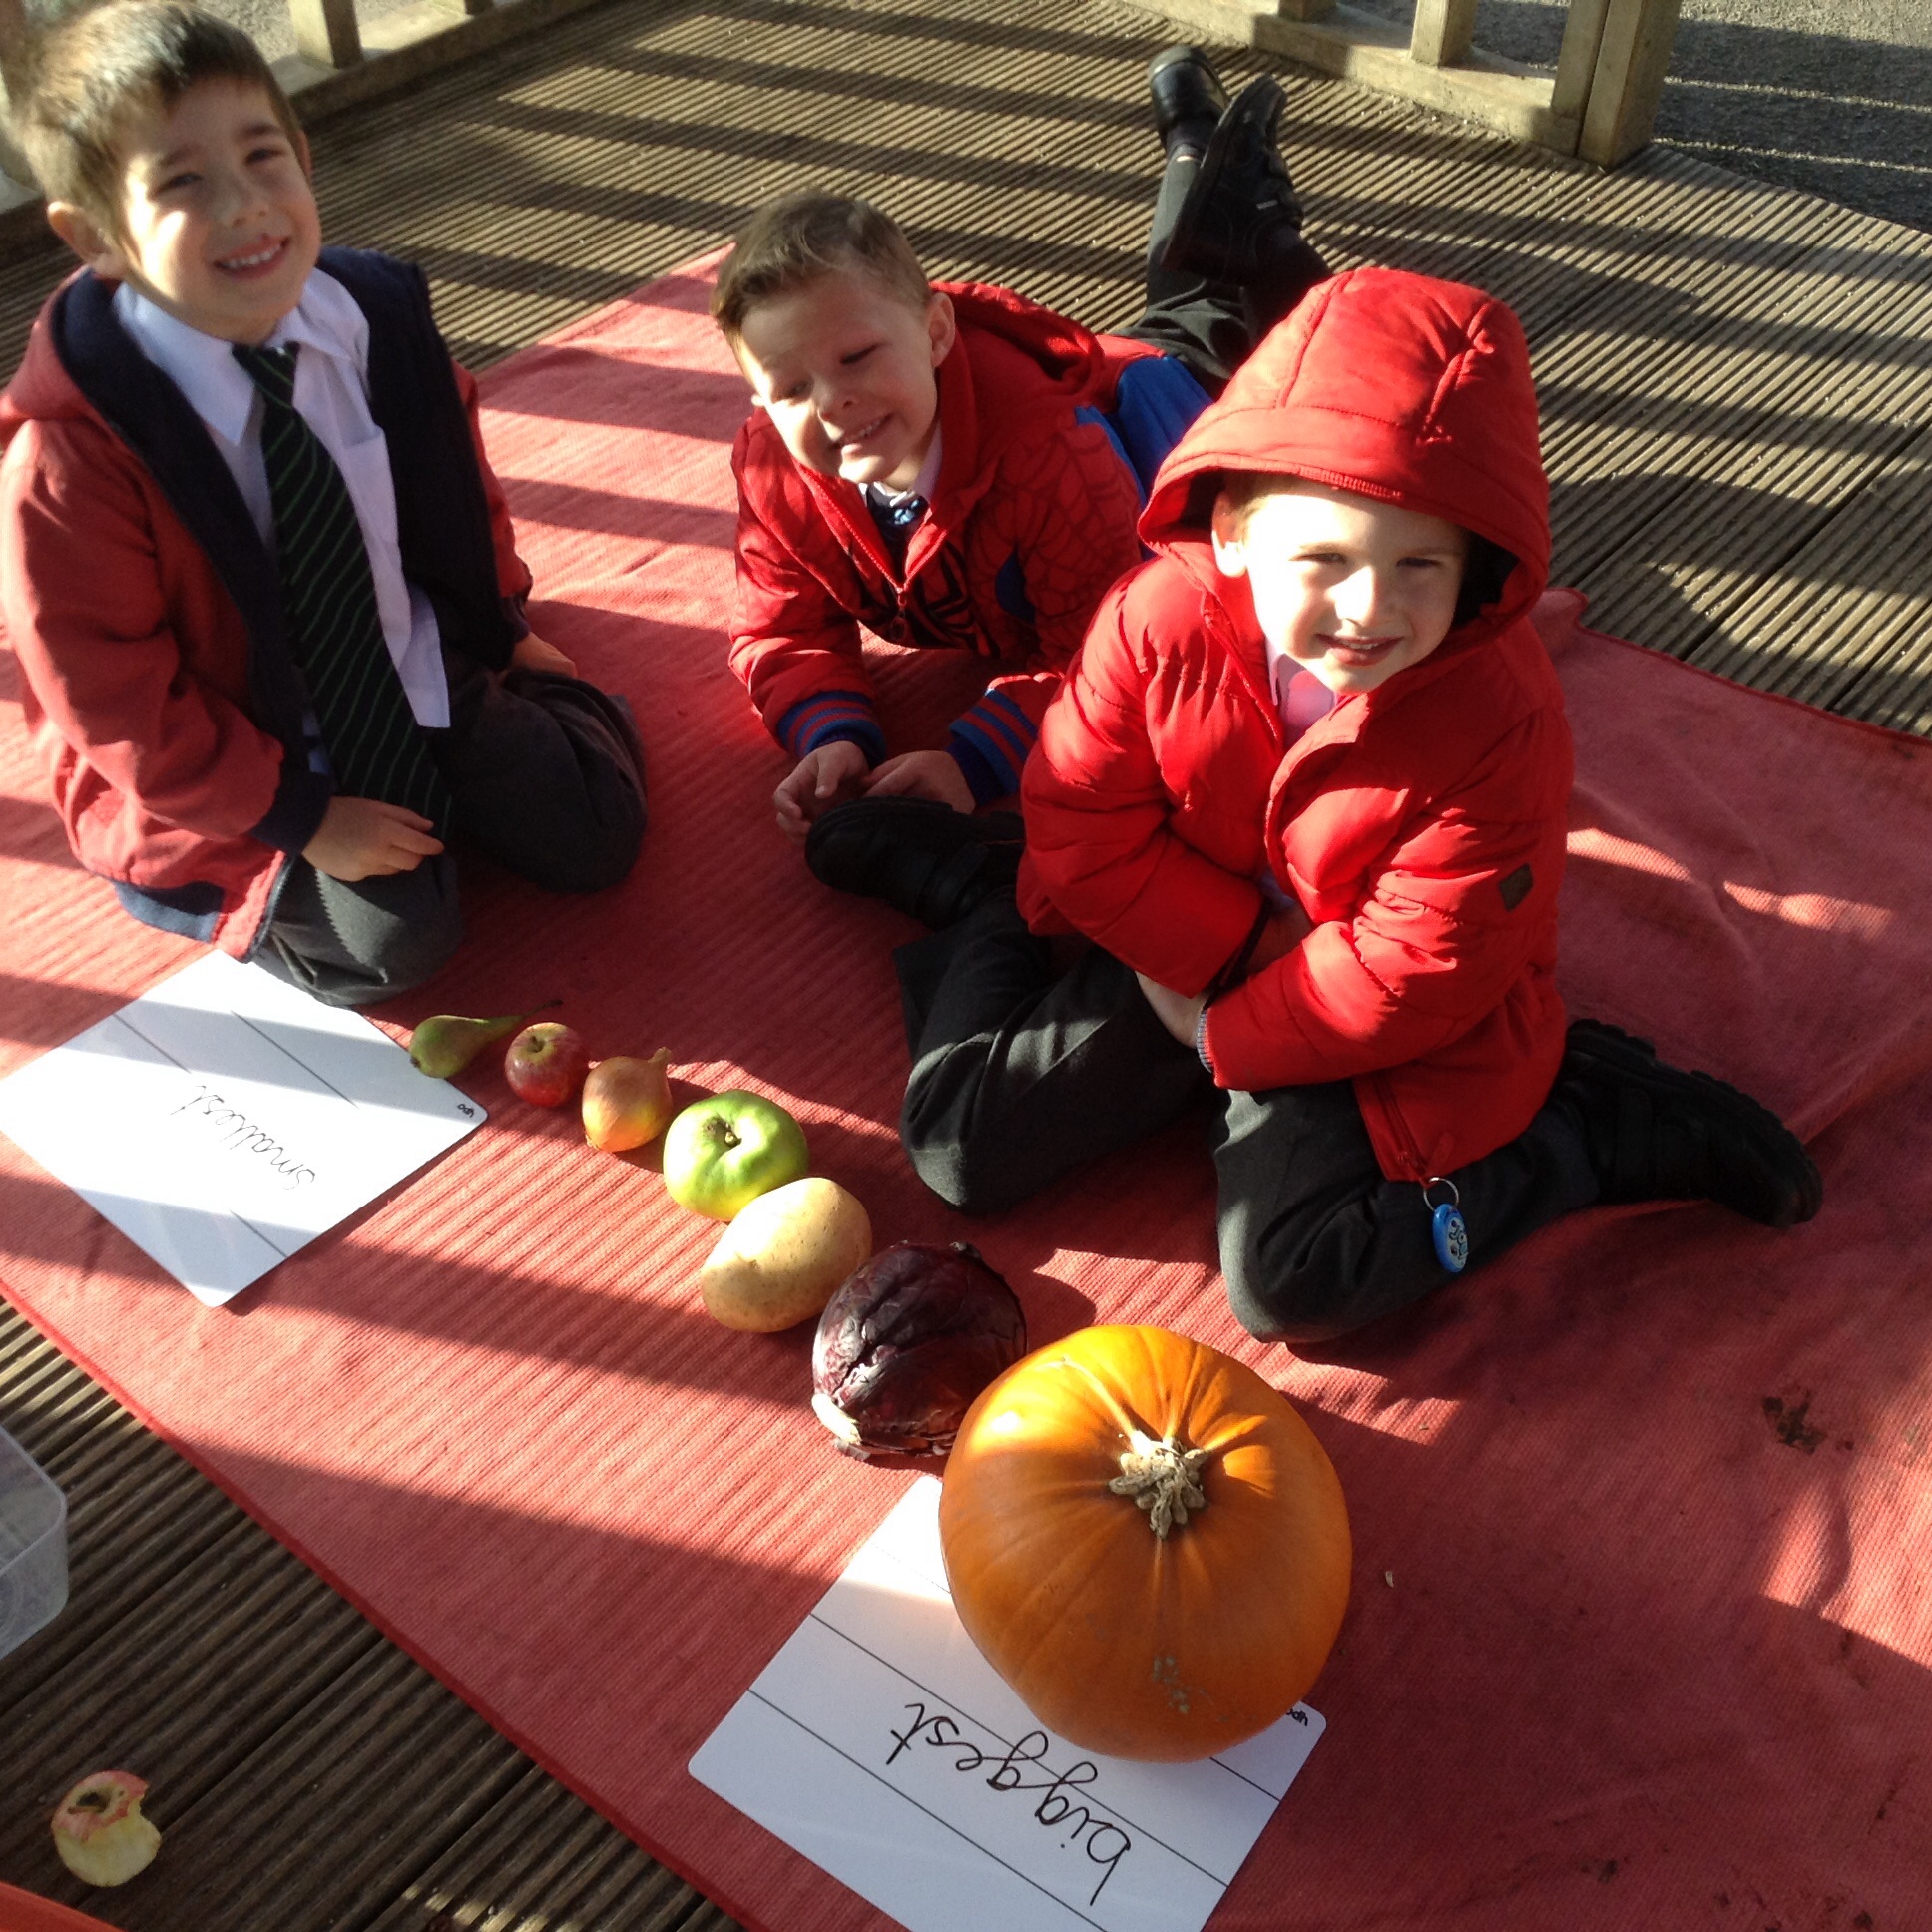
x,y
1031,520
1420,825
142,685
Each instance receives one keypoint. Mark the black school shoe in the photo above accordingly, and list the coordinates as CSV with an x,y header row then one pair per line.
x,y
1241,209
1656,1132
921,858
1188,99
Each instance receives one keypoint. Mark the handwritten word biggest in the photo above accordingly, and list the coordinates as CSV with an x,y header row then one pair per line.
x,y
1103,1843
242,1136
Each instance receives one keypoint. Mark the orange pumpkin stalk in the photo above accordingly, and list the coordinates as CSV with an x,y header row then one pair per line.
x,y
1146,1542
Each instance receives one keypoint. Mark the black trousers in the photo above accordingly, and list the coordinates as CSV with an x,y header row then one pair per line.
x,y
1211,326
546,776
1020,1073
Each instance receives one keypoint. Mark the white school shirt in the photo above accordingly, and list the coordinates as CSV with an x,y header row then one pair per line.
x,y
332,396
921,485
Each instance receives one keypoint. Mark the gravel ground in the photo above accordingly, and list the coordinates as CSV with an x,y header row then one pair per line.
x,y
267,20
1832,96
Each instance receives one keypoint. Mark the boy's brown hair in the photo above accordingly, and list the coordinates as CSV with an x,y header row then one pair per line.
x,y
85,75
794,239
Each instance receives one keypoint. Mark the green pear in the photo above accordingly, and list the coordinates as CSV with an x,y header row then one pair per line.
x,y
446,1043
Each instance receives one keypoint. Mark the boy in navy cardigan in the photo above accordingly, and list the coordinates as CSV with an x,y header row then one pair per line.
x,y
258,575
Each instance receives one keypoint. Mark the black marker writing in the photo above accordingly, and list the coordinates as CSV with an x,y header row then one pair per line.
x,y
240,1136
1102,1842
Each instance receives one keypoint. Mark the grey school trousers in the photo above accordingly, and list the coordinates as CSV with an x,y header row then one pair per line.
x,y
546,776
1211,326
1020,1075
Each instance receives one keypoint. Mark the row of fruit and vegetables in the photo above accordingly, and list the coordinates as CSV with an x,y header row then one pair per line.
x,y
1140,1534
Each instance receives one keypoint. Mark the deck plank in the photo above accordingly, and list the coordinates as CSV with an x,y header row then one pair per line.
x,y
1737,398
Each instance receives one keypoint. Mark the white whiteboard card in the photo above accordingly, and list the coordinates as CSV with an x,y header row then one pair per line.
x,y
881,1744
224,1120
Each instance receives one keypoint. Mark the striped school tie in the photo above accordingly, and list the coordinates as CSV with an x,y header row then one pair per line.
x,y
329,600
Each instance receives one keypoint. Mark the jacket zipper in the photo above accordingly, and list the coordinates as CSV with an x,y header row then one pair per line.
x,y
1398,1121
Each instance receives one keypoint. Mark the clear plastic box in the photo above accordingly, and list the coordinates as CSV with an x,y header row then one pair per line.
x,y
33,1546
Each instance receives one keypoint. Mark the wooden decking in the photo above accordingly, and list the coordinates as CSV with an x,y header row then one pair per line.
x,y
1738,404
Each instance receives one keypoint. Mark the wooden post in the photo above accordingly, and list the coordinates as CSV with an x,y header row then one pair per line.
x,y
325,31
1583,32
1628,80
1444,32
13,38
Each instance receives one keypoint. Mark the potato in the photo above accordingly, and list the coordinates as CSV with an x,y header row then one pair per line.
x,y
784,1255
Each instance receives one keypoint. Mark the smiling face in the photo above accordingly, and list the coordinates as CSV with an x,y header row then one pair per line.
x,y
217,223
1351,589
846,370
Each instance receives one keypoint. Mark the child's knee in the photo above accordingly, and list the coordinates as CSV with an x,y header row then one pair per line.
x,y
599,855
1294,1281
949,1149
387,958
416,957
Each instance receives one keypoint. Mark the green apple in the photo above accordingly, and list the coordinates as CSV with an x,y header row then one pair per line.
x,y
722,1153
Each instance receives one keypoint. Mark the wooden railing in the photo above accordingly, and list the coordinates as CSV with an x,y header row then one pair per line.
x,y
1599,103
340,59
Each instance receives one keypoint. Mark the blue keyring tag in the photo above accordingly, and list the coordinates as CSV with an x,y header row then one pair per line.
x,y
1447,1229
1450,1233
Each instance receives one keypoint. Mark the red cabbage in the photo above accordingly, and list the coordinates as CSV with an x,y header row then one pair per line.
x,y
907,1343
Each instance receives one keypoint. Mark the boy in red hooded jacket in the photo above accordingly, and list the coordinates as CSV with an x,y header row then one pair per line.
x,y
954,467
1305,790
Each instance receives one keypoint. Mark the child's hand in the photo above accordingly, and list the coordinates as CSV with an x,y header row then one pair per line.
x,y
1175,1011
823,778
923,775
531,652
368,839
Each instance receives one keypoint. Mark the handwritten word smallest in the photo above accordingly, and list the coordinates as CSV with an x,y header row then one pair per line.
x,y
240,1135
1104,1842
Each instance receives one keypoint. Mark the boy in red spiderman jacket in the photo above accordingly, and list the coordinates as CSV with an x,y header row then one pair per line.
x,y
1306,791
954,467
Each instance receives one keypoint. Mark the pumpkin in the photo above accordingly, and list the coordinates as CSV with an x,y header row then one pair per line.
x,y
1146,1542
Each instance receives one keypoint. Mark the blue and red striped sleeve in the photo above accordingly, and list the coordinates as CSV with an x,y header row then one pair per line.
x,y
829,717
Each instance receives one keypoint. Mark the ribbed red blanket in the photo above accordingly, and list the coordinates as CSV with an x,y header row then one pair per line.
x,y
1641,1629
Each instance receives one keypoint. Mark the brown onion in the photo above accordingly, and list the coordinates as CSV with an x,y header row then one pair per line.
x,y
907,1343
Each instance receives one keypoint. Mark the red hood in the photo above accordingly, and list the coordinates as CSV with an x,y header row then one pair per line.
x,y
1393,387
1023,363
1066,353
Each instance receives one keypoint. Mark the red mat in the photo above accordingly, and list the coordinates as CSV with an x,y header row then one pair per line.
x,y
1641,1633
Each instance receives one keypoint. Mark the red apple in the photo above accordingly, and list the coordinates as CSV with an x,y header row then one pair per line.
x,y
546,1063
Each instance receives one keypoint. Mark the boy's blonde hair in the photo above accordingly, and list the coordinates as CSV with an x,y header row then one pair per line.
x,y
86,74
798,238
1237,492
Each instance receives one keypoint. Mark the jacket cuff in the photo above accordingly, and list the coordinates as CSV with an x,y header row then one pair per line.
x,y
982,780
301,797
831,717
999,735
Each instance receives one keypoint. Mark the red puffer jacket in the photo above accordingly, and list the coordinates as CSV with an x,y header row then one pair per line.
x,y
1420,825
1031,520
